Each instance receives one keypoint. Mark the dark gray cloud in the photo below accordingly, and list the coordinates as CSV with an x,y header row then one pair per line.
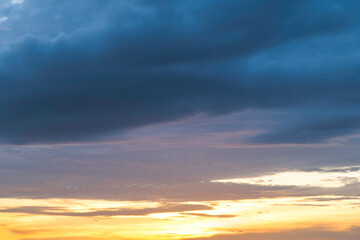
x,y
123,64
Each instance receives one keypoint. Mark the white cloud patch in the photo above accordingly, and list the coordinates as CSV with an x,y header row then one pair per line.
x,y
328,178
3,19
17,1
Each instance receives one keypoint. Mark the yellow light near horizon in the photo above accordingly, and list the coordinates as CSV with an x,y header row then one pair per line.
x,y
251,215
6,235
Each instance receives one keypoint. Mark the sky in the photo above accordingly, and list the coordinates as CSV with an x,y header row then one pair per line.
x,y
179,120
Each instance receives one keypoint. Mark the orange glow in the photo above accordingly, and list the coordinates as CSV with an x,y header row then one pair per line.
x,y
6,235
224,217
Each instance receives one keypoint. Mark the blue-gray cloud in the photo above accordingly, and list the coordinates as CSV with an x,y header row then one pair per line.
x,y
130,64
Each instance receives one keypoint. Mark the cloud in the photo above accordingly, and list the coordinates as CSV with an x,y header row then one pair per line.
x,y
312,131
210,215
131,64
176,192
297,234
58,211
70,238
328,178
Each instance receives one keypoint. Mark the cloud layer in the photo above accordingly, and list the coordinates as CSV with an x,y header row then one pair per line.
x,y
297,234
122,65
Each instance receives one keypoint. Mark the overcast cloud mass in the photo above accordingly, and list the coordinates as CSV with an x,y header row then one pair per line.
x,y
78,71
179,119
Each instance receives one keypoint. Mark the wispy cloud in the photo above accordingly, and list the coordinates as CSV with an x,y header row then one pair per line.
x,y
327,178
59,211
296,234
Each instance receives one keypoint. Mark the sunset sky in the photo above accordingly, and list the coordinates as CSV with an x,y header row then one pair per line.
x,y
179,119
